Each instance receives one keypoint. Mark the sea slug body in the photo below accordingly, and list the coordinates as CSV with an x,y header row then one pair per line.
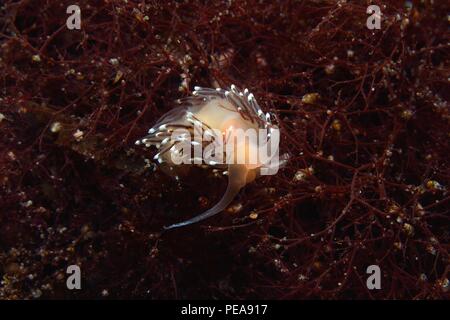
x,y
216,115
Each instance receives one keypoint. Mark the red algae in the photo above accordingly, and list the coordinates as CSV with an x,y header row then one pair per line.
x,y
363,116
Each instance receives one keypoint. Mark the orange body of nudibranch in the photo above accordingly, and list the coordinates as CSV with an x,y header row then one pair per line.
x,y
229,112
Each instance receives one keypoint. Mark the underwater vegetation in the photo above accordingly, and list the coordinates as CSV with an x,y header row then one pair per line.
x,y
363,117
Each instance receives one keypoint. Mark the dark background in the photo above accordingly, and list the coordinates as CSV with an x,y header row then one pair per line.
x,y
363,114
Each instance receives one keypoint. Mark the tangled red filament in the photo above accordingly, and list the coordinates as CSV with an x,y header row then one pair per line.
x,y
364,117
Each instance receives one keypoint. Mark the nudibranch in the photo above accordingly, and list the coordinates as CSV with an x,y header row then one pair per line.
x,y
219,117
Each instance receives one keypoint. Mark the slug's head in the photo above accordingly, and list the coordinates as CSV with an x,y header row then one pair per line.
x,y
249,136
